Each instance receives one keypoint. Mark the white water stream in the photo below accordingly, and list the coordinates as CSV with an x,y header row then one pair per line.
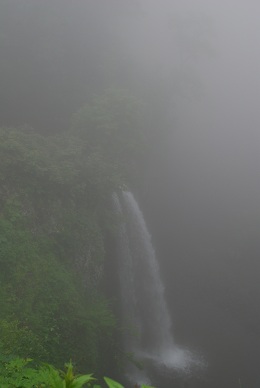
x,y
145,316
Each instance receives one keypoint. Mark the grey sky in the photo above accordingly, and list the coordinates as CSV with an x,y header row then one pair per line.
x,y
216,44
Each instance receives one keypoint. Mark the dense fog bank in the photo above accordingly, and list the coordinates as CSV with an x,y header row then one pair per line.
x,y
191,154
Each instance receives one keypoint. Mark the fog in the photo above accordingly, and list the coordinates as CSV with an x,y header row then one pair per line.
x,y
196,65
207,218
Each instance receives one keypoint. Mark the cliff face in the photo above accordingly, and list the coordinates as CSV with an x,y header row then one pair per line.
x,y
53,218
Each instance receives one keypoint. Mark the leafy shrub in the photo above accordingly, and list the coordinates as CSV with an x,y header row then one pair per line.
x,y
21,373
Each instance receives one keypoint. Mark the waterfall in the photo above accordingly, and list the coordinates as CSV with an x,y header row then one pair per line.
x,y
145,315
150,310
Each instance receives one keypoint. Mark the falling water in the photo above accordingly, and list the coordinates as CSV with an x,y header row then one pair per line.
x,y
150,307
145,314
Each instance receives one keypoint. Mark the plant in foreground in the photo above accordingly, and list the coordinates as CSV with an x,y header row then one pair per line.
x,y
18,373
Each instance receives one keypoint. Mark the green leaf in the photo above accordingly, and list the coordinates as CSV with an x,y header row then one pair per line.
x,y
112,383
52,377
78,382
146,386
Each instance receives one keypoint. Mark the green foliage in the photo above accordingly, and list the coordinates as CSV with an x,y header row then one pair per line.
x,y
54,216
16,374
146,386
15,339
74,381
52,249
112,384
22,373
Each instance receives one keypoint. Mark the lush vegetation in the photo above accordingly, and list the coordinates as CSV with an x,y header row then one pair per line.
x,y
56,181
22,373
54,216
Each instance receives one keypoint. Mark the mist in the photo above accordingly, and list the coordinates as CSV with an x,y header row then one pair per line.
x,y
207,218
195,67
